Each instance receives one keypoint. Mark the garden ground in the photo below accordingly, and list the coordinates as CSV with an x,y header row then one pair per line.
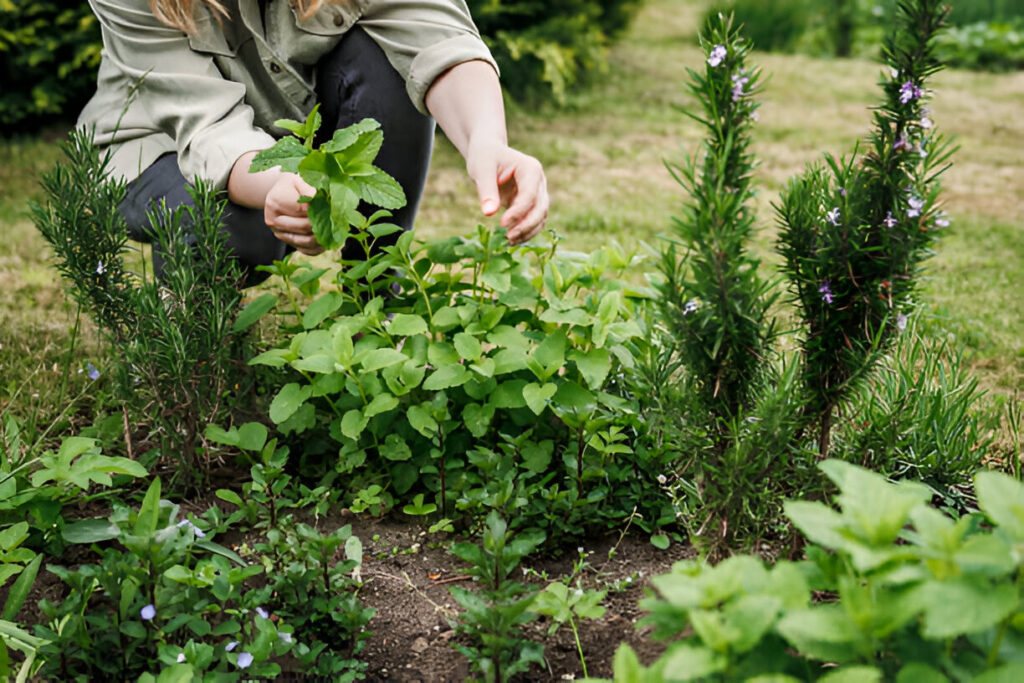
x,y
603,153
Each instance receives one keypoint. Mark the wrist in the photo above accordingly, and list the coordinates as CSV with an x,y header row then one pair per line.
x,y
250,189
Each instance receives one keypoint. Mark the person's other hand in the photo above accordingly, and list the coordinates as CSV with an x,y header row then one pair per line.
x,y
287,217
507,177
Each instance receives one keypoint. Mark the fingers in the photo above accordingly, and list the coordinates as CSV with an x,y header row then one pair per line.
x,y
528,208
487,190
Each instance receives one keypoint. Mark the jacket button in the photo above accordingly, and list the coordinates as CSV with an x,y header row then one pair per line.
x,y
338,20
275,67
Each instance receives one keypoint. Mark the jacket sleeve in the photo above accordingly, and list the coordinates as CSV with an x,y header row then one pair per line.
x,y
181,91
423,39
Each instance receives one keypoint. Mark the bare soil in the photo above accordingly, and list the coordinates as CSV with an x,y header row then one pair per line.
x,y
407,579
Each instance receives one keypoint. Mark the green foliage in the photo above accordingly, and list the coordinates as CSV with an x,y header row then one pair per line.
x,y
917,418
989,46
50,53
460,370
914,594
854,232
550,47
775,26
167,595
493,614
174,339
714,301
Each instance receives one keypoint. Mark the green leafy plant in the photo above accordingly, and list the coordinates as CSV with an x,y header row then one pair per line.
x,y
913,594
410,355
854,232
493,614
166,596
562,603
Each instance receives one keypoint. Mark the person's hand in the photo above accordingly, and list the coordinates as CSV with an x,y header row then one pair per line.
x,y
509,178
287,217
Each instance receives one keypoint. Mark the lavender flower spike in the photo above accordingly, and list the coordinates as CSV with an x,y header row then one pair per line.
x,y
717,55
826,292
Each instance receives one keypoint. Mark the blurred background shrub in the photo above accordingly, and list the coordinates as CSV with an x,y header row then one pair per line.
x,y
985,34
51,49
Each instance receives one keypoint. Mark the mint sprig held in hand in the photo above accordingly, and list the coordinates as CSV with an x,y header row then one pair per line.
x,y
341,170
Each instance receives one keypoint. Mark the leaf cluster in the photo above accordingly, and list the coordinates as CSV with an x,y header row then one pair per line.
x,y
914,594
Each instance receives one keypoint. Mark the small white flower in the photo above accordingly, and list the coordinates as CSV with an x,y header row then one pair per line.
x,y
691,306
662,479
926,122
100,268
901,322
231,646
286,637
580,550
181,657
833,216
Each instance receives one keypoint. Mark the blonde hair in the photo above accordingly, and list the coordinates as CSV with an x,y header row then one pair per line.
x,y
179,14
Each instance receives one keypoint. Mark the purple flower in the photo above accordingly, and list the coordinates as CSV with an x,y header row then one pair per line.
x,y
231,646
833,216
901,143
826,292
889,221
91,370
737,86
942,221
262,612
717,55
147,613
915,205
909,91
196,530
926,122
901,322
244,660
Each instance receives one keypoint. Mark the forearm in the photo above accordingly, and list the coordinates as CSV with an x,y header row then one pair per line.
x,y
250,189
466,103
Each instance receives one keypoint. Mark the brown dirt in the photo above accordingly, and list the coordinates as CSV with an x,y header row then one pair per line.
x,y
407,577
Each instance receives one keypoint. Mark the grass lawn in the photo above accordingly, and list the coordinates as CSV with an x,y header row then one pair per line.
x,y
604,153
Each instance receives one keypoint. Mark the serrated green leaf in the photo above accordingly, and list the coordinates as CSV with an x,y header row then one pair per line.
x,y
322,307
346,137
468,346
289,399
964,606
287,153
446,377
594,365
537,396
353,423
380,189
407,325
253,311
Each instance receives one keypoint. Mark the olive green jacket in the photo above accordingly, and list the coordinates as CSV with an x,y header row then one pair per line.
x,y
214,95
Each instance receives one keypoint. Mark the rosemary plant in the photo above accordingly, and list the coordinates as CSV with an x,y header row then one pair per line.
x,y
855,230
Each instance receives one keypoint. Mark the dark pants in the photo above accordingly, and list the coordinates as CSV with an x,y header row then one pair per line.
x,y
354,81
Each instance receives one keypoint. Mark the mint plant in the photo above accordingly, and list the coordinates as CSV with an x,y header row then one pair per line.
x,y
493,614
914,594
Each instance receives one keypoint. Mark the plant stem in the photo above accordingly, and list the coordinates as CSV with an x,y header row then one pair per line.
x,y
579,647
